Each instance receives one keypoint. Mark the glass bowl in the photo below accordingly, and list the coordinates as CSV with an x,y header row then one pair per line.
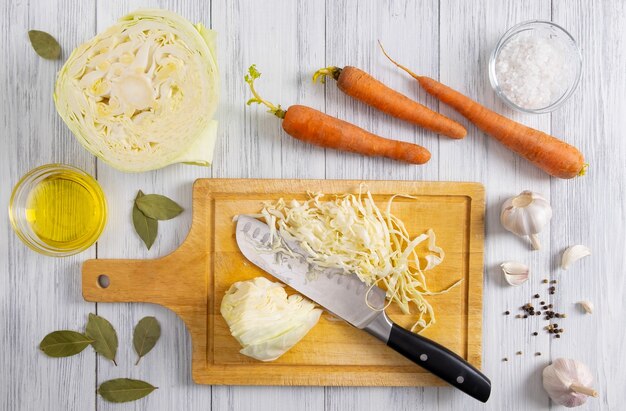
x,y
25,218
544,29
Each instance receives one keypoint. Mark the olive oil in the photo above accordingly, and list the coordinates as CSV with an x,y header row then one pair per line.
x,y
66,210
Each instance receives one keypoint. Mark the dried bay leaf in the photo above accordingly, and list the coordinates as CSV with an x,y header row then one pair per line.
x,y
103,335
64,343
146,227
158,206
44,44
146,334
124,390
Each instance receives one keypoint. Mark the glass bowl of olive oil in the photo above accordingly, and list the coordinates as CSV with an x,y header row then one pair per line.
x,y
58,210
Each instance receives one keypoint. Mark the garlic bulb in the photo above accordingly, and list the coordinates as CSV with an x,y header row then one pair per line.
x,y
573,254
526,215
587,306
264,320
568,382
515,273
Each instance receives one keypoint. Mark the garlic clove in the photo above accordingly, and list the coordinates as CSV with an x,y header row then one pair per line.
x,y
568,382
573,254
586,305
515,273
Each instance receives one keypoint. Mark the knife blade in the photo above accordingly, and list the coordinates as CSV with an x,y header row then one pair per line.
x,y
347,297
343,295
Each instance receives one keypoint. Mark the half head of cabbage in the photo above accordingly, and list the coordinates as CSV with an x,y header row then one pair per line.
x,y
141,95
264,320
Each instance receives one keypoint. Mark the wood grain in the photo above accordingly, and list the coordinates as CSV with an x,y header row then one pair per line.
x,y
38,294
251,142
592,210
168,365
193,279
463,64
410,29
289,40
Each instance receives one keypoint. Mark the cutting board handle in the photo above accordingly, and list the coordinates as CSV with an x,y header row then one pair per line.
x,y
124,280
179,285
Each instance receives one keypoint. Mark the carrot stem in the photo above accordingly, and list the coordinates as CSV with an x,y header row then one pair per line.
x,y
252,75
321,74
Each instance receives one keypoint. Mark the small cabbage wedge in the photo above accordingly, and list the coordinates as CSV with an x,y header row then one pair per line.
x,y
142,94
264,320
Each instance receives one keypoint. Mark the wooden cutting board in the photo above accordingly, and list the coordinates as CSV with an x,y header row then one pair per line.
x,y
192,280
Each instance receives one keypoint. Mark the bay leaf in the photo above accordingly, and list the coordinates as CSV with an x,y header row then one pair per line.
x,y
64,343
146,334
146,227
124,390
103,335
158,206
44,44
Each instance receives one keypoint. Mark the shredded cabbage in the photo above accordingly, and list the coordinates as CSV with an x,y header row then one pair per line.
x,y
141,95
264,320
352,234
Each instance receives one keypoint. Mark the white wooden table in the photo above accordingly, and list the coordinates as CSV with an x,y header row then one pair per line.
x,y
288,40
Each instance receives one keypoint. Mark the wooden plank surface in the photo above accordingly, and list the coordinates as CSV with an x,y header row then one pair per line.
x,y
168,367
593,211
464,56
410,28
194,278
289,40
251,143
39,294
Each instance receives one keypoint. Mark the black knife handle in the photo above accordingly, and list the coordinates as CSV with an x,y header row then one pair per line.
x,y
440,361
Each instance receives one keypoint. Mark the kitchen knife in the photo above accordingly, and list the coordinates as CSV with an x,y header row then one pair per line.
x,y
345,296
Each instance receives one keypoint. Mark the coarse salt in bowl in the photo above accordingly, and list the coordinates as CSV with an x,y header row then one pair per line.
x,y
535,66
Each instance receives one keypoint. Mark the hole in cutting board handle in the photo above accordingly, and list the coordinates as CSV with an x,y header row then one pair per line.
x,y
104,281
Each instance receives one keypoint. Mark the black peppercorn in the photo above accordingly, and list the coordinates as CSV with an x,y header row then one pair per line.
x,y
557,336
536,295
535,333
507,312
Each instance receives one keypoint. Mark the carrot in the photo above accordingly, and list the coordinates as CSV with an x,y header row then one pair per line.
x,y
360,85
314,127
550,154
